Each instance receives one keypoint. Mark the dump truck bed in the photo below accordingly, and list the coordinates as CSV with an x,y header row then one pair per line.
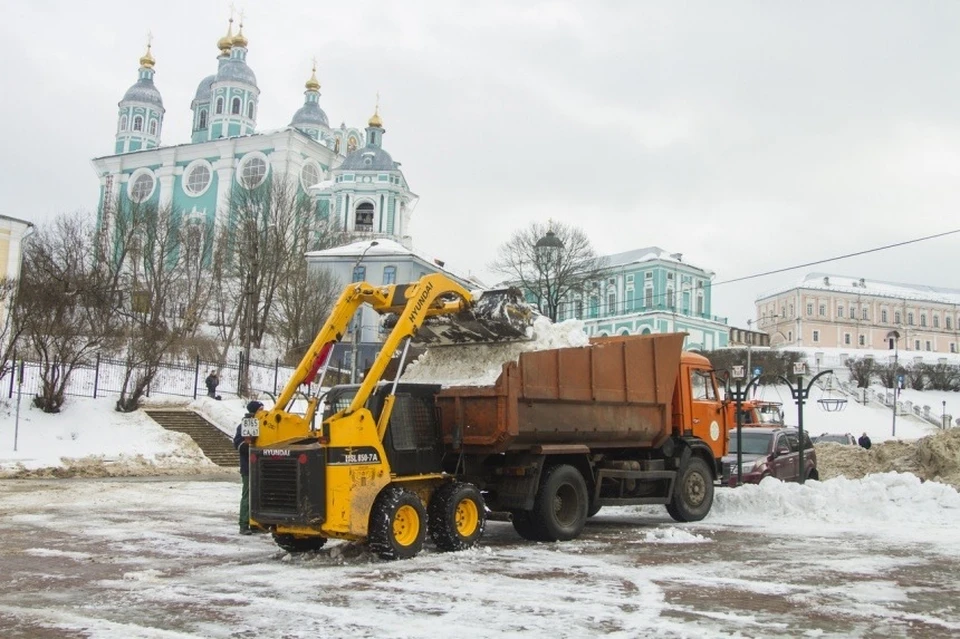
x,y
616,393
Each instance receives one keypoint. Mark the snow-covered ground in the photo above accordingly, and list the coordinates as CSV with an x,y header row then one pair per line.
x,y
160,558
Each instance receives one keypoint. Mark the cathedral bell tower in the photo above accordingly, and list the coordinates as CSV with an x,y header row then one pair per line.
x,y
140,116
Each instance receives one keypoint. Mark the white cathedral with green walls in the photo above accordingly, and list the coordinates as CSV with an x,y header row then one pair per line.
x,y
353,180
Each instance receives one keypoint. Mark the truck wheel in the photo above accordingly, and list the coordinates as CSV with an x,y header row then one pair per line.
x,y
594,509
456,516
560,509
525,525
397,524
693,493
294,544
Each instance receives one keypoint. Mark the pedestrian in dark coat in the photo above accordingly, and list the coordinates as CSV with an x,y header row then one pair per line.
x,y
212,381
242,444
865,441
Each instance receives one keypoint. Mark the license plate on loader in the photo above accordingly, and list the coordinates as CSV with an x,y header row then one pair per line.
x,y
250,427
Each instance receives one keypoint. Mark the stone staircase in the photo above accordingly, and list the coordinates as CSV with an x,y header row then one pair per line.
x,y
216,445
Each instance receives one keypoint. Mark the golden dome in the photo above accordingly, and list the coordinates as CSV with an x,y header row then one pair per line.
x,y
226,41
313,84
240,40
375,119
146,60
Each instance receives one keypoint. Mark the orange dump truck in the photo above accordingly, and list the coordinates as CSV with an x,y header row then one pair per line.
x,y
563,432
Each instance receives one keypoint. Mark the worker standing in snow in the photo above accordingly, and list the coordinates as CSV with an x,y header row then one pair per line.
x,y
242,444
864,441
212,381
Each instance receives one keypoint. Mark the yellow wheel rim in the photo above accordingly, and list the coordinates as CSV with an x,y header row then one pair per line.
x,y
467,517
406,525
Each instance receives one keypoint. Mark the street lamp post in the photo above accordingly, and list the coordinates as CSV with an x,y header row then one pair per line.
x,y
676,286
893,337
739,396
800,394
548,250
357,320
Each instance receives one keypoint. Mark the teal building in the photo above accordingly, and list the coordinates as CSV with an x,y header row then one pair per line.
x,y
645,291
225,150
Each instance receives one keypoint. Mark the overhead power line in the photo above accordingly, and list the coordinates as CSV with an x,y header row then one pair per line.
x,y
839,257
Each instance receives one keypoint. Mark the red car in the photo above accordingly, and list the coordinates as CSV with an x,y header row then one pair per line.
x,y
769,452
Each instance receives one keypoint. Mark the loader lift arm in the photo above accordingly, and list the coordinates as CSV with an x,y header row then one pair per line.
x,y
488,317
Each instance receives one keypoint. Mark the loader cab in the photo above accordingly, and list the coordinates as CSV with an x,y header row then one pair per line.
x,y
413,441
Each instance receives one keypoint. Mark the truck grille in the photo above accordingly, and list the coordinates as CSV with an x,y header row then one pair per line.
x,y
278,485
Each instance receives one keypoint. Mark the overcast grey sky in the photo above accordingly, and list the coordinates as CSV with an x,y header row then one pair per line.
x,y
747,135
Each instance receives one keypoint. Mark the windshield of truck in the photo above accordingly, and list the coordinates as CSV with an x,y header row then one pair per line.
x,y
753,443
701,385
770,415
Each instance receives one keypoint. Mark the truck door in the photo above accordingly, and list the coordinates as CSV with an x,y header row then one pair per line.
x,y
707,415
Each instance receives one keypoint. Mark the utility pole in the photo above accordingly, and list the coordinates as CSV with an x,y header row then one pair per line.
x,y
893,337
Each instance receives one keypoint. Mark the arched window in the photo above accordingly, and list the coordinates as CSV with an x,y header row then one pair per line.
x,y
364,219
203,119
359,273
153,127
123,123
137,123
389,274
235,107
250,110
219,106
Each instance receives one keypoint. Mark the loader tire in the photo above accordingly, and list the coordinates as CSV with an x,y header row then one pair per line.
x,y
294,544
560,508
398,524
693,492
456,516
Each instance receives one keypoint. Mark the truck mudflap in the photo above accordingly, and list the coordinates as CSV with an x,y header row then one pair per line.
x,y
288,484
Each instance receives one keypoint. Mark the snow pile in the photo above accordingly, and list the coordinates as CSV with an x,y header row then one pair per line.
x,y
91,439
935,457
481,364
673,535
887,497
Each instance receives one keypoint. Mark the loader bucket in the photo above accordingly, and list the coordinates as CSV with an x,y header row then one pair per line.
x,y
495,316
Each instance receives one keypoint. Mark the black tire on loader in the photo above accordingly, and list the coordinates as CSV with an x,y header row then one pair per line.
x,y
397,524
294,544
560,508
456,516
693,492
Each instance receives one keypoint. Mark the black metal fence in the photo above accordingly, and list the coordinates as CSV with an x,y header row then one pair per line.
x,y
183,379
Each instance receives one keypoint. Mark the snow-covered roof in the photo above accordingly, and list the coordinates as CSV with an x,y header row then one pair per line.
x,y
389,248
647,254
878,288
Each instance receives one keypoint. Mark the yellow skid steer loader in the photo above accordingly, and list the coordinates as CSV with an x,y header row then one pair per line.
x,y
371,469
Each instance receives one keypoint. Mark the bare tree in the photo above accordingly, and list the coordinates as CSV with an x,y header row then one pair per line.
x,y
269,227
165,291
862,370
888,374
915,376
304,298
557,270
942,377
67,302
11,325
